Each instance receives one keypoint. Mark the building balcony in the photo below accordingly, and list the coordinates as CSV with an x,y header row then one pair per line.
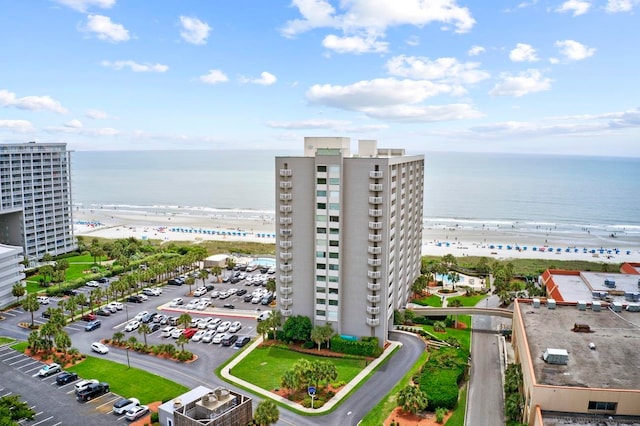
x,y
375,225
286,197
286,255
373,310
375,238
375,174
286,312
285,232
286,301
286,267
286,172
374,274
286,279
286,290
373,286
373,322
374,262
286,209
286,221
286,244
373,299
374,250
286,185
375,187
375,212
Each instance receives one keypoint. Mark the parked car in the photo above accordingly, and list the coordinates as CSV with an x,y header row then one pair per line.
x,y
189,332
148,317
112,309
46,313
166,332
242,341
174,281
99,348
177,301
49,369
66,377
159,318
82,385
125,404
94,390
176,332
213,323
132,325
263,316
89,317
140,315
217,339
229,340
229,306
235,327
92,283
155,327
267,299
69,292
103,312
135,299
208,336
137,412
224,326
119,306
173,320
248,297
200,291
198,335
92,325
192,304
241,292
103,280
43,300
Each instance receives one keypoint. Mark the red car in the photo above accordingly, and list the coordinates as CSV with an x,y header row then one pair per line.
x,y
189,332
89,317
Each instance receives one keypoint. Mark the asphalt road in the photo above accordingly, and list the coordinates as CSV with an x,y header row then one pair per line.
x,y
200,372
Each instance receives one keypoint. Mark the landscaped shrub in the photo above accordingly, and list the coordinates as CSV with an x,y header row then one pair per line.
x,y
441,375
309,345
155,417
366,346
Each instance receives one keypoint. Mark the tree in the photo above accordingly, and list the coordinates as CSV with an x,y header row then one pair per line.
x,y
297,329
81,300
455,303
321,334
267,413
204,274
216,270
230,263
271,285
412,399
182,340
18,290
454,277
144,329
290,380
12,410
62,341
263,328
419,285
47,272
117,336
189,281
184,319
31,304
449,260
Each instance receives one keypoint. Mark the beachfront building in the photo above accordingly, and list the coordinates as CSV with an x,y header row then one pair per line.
x,y
594,288
35,210
349,234
579,365
202,406
11,272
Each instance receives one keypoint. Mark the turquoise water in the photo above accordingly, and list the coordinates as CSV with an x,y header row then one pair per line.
x,y
264,261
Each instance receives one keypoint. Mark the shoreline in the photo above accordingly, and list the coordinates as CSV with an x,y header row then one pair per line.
x,y
438,240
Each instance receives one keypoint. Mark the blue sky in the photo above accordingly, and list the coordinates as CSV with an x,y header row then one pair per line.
x,y
533,76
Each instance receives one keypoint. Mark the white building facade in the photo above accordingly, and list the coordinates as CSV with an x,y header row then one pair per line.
x,y
11,272
349,234
36,206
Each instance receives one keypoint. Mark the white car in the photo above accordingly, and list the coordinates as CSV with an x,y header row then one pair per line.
x,y
224,326
204,304
208,336
177,302
215,294
140,315
204,323
143,297
176,332
192,304
235,327
198,336
99,348
200,291
218,338
232,291
166,332
119,306
124,405
137,412
49,369
83,384
151,291
93,283
132,325
213,323
43,300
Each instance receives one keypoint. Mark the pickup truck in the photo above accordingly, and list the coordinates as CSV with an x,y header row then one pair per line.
x,y
92,391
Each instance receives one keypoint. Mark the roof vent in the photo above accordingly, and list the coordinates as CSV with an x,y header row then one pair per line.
x,y
177,403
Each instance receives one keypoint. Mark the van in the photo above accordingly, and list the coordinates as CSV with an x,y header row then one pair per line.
x,y
263,316
43,300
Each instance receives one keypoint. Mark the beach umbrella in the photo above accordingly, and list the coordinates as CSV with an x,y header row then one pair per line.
x,y
525,247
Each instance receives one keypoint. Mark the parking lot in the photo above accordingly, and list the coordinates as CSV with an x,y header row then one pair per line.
x,y
48,400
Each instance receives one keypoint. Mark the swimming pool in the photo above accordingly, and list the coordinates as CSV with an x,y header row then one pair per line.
x,y
263,261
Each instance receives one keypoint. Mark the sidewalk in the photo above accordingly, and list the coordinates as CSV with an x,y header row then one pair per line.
x,y
226,374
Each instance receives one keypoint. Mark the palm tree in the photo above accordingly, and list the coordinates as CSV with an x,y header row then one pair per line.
x,y
267,413
144,329
18,290
204,274
216,270
263,328
182,340
81,300
412,399
31,304
271,285
62,341
117,336
184,319
455,303
189,281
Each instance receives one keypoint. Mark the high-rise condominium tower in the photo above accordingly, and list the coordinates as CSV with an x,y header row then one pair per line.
x,y
349,234
36,210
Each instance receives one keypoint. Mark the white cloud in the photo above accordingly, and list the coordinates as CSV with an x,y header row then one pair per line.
x,y
524,83
80,130
355,44
214,77
194,31
443,69
554,60
21,126
266,79
83,5
616,6
31,103
334,125
376,16
578,7
105,29
476,50
573,50
523,53
134,66
74,124
413,41
95,114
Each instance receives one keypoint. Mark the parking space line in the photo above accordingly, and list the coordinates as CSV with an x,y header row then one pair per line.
x,y
24,358
42,421
18,354
7,394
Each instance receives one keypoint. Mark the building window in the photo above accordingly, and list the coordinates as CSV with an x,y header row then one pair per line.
x,y
333,291
334,219
333,303
334,267
321,193
321,206
334,206
322,168
334,181
321,181
321,290
603,406
320,313
334,255
321,230
333,279
321,218
321,301
334,231
321,278
334,243
321,254
334,170
321,266
334,195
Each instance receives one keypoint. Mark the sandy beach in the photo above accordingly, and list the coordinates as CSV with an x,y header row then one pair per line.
x,y
438,240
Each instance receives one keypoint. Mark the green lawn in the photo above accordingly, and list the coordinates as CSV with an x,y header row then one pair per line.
x,y
265,366
467,300
129,382
463,336
434,301
457,418
5,340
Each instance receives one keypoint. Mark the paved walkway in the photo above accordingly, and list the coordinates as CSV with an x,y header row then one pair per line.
x,y
226,373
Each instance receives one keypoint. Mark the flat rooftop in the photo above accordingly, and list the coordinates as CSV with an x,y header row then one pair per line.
x,y
615,362
580,287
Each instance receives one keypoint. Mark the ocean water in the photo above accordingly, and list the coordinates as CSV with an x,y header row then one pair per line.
x,y
533,193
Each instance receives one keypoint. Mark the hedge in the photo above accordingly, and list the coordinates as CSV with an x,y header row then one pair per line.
x,y
366,346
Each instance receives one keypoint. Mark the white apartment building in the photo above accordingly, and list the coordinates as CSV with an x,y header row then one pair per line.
x,y
349,234
11,272
35,209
